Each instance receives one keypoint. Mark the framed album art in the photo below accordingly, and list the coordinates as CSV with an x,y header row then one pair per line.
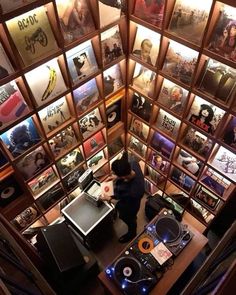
x,y
63,141
199,211
156,177
85,96
12,104
162,145
205,115
137,146
115,147
111,45
6,67
26,217
9,190
112,79
143,80
141,106
146,45
21,137
173,97
81,62
208,199
75,19
97,161
48,199
187,161
139,128
182,179
109,11
90,123
229,134
33,163
189,19
158,162
54,114
71,181
150,11
35,40
180,62
46,82
9,5
113,113
93,144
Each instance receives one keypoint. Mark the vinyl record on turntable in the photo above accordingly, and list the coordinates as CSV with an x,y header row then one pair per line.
x,y
168,229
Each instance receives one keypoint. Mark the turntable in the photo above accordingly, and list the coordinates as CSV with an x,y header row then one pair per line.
x,y
172,233
130,275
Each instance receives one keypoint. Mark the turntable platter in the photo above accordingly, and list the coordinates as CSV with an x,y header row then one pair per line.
x,y
127,268
168,229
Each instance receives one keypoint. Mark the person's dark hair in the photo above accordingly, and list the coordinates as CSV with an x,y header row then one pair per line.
x,y
122,166
210,111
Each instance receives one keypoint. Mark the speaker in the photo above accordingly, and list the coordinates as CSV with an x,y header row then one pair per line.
x,y
58,247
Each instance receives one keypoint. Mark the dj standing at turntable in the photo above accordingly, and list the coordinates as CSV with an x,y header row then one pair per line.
x,y
128,190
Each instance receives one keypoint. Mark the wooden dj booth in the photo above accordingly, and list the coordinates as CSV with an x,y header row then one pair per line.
x,y
173,273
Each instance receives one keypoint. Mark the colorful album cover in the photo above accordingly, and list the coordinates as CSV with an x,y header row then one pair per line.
x,y
218,80
225,162
167,123
146,45
97,161
162,145
177,194
173,97
112,79
154,175
197,142
21,137
205,115
150,11
177,207
223,38
215,181
26,217
205,197
161,253
35,40
5,65
189,162
33,163
199,212
137,146
85,96
3,159
46,82
189,19
49,199
182,179
158,162
141,106
75,19
43,181
115,146
180,62
229,136
113,113
70,161
139,128
54,114
93,144
90,123
12,104
109,11
9,5
9,190
71,181
111,45
81,62
63,141
143,80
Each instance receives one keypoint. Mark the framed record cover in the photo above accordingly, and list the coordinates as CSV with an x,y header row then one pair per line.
x,y
137,146
5,65
54,114
46,82
85,96
71,181
81,62
154,175
63,141
48,199
90,123
93,144
199,211
173,97
21,137
141,106
180,62
223,39
162,145
189,19
150,11
26,217
115,146
111,45
97,161
229,134
32,35
157,161
113,113
139,128
75,19
205,115
143,80
146,45
182,179
208,199
190,163
9,190
12,104
109,11
33,163
9,5
112,79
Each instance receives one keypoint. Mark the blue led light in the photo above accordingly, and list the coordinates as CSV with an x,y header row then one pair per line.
x,y
144,289
108,271
149,228
123,286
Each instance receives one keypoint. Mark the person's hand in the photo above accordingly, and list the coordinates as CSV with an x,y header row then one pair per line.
x,y
111,177
105,197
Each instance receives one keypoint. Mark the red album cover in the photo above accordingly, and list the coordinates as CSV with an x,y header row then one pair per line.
x,y
93,144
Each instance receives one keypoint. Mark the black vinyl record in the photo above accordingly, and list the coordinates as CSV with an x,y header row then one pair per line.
x,y
168,229
113,114
9,190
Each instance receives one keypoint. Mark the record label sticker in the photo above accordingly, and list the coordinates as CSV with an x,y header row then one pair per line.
x,y
161,253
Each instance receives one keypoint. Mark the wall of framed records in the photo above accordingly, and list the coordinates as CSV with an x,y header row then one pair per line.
x,y
82,80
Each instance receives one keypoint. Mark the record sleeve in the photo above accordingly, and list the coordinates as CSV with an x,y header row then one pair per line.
x,y
109,11
115,146
5,65
112,79
32,35
113,113
139,128
208,199
182,179
141,106
12,104
167,123
9,190
71,181
46,82
137,146
50,197
162,145
25,218
90,123
229,135
93,144
189,162
157,161
97,161
199,211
